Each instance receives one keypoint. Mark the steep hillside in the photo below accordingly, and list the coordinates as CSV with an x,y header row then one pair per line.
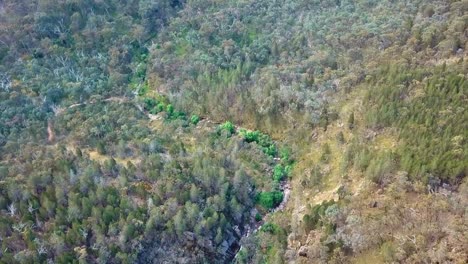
x,y
266,131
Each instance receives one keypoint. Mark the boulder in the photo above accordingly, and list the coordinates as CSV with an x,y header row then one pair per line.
x,y
303,252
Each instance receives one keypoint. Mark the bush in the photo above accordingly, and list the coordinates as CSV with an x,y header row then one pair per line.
x,y
270,150
267,144
270,228
279,173
228,126
258,217
194,119
288,169
170,109
150,103
285,155
250,136
179,115
270,200
160,107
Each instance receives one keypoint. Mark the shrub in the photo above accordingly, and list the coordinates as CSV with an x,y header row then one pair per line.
x,y
269,228
270,150
250,136
285,155
160,107
278,173
170,109
267,144
150,103
194,119
179,115
288,169
270,200
228,126
258,217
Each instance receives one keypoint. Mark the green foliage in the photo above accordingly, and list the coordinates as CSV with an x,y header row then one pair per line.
x,y
270,200
279,172
285,156
228,127
430,119
149,103
258,217
267,144
194,119
270,228
160,107
170,109
156,107
270,150
288,169
250,136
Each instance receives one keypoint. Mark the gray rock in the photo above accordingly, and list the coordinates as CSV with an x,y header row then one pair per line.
x,y
303,251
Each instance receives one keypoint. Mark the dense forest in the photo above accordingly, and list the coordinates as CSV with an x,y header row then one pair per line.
x,y
267,131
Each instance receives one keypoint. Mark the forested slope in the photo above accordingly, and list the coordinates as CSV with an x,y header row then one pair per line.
x,y
116,141
93,171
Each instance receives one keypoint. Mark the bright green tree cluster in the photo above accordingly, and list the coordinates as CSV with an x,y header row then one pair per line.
x,y
270,200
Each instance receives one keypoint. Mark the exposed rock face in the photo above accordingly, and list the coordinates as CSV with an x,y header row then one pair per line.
x,y
303,251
